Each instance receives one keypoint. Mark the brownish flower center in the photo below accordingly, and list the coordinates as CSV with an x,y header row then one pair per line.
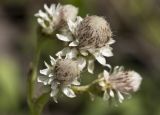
x,y
66,71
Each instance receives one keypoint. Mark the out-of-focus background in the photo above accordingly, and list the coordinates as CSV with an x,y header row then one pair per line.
x,y
136,28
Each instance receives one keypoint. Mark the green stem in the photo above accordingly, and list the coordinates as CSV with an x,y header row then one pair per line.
x,y
40,103
86,87
32,77
35,105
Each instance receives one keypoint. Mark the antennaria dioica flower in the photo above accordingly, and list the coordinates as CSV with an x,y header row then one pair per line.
x,y
54,16
60,75
119,82
86,40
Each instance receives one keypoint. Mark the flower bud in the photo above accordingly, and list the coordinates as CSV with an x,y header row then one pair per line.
x,y
120,82
66,71
93,32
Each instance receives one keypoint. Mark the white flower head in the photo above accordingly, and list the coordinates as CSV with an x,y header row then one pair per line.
x,y
119,82
50,18
91,35
93,32
60,75
54,16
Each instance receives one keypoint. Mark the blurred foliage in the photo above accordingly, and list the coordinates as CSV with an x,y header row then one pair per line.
x,y
9,84
13,1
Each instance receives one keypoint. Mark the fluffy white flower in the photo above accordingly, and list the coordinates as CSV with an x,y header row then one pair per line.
x,y
54,16
119,82
60,75
90,36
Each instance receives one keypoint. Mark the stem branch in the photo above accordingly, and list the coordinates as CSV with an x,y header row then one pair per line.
x,y
86,87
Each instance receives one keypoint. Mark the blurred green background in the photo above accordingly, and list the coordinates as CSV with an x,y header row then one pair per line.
x,y
136,28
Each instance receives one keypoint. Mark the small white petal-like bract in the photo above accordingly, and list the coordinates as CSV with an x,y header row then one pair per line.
x,y
63,38
44,71
68,92
54,90
105,96
111,93
100,59
74,43
76,82
84,53
72,53
106,51
44,80
120,97
90,66
81,62
63,52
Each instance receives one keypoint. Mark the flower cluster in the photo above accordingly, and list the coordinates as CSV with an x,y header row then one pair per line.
x,y
87,40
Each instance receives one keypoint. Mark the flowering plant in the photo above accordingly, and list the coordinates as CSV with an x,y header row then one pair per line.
x,y
86,40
